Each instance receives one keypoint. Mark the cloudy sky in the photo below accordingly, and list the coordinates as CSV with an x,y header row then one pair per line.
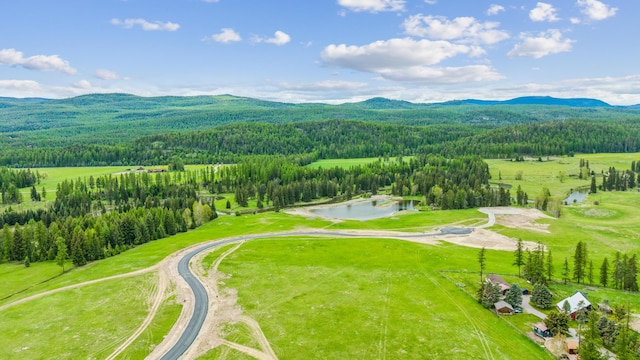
x,y
322,50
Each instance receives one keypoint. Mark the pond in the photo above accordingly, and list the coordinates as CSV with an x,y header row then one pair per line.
x,y
576,197
367,210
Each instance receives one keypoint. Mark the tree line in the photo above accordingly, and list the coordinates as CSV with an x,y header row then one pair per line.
x,y
101,217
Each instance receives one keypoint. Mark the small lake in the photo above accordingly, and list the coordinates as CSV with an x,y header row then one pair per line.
x,y
576,197
366,210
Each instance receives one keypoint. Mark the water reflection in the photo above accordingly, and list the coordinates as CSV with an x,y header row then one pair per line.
x,y
366,210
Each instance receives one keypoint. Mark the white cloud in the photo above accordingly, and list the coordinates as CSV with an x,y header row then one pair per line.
x,y
431,2
146,25
327,85
279,38
494,9
82,84
596,10
105,74
12,57
442,75
574,21
543,12
20,85
545,43
226,35
373,6
464,29
391,53
408,60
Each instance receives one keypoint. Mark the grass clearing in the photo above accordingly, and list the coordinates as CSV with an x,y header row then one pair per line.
x,y
16,277
162,323
102,316
385,296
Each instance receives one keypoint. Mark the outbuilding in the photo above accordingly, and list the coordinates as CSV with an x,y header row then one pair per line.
x,y
540,328
503,308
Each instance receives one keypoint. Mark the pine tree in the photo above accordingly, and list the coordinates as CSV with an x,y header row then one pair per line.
x,y
519,256
541,296
591,341
590,272
513,296
61,256
593,188
549,266
482,262
578,270
604,272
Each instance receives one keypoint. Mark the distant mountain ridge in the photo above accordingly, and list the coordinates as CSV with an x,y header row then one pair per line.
x,y
375,103
542,100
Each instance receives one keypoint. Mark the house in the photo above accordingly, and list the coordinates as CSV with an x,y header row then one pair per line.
x,y
525,291
140,169
497,280
503,308
540,328
575,302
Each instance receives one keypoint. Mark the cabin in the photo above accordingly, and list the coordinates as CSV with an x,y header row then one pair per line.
x,y
503,308
497,280
540,328
576,302
140,169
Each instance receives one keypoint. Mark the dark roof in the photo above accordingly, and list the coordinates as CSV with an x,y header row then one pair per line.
x,y
495,279
503,304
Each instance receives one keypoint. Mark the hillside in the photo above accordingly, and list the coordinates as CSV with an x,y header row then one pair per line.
x,y
121,118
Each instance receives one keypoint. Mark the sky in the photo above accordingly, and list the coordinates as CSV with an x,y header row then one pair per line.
x,y
331,51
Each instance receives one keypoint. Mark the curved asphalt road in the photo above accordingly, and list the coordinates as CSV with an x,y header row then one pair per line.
x,y
201,300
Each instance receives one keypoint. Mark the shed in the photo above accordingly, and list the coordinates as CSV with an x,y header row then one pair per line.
x,y
572,346
503,307
540,328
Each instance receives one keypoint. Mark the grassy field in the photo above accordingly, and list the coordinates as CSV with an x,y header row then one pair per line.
x,y
87,322
385,296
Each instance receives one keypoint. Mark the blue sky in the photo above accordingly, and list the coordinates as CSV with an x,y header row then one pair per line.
x,y
322,50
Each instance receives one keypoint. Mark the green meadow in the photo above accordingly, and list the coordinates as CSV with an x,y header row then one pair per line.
x,y
324,297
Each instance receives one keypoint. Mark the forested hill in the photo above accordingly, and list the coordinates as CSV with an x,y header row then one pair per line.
x,y
311,140
115,119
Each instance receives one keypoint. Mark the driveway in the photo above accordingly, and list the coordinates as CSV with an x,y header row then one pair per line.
x,y
526,307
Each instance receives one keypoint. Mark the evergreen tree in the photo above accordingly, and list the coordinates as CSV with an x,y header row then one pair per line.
x,y
519,256
590,272
490,295
78,255
591,341
513,295
62,252
549,266
578,269
482,262
593,188
541,296
604,272
27,262
557,323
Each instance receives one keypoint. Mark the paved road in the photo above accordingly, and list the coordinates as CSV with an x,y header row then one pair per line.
x,y
201,300
529,309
